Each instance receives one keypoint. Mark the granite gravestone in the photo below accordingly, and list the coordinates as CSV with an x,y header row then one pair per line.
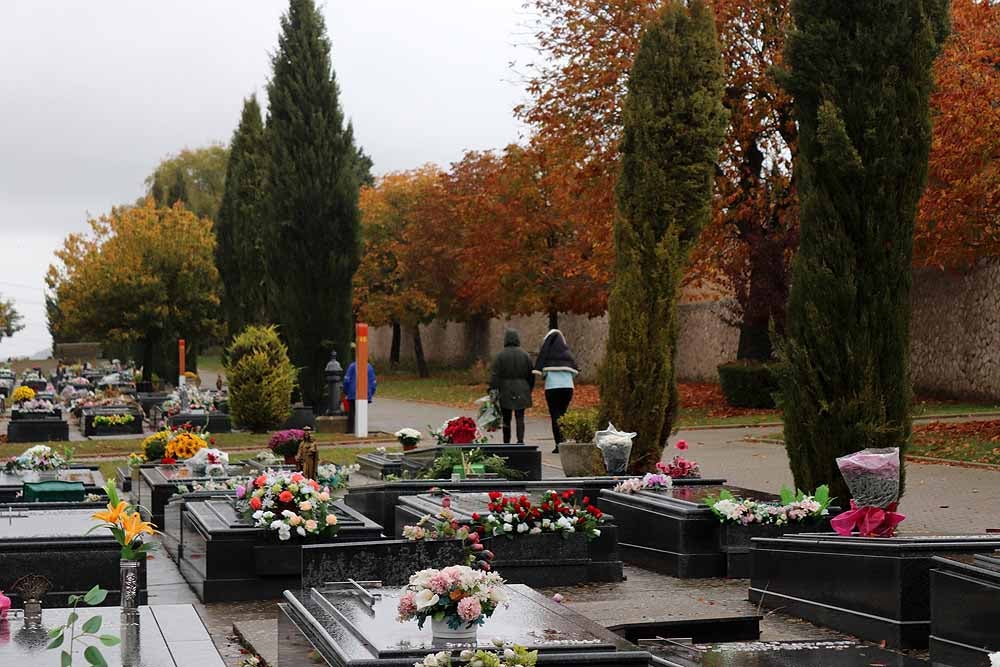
x,y
12,485
54,543
874,588
163,636
546,559
389,561
35,429
343,627
158,483
672,531
777,654
89,428
212,422
527,459
965,609
224,558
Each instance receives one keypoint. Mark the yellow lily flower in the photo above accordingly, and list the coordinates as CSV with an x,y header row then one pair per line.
x,y
134,526
114,513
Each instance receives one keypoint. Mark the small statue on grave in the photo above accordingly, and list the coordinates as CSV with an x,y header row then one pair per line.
x,y
308,455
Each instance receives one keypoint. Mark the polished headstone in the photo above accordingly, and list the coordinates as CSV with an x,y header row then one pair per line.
x,y
11,485
389,561
965,609
157,484
166,636
778,654
347,628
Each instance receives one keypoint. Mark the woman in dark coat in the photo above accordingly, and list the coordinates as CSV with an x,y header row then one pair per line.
x,y
513,379
556,364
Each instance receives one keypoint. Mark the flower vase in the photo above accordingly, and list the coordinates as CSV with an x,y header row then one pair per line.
x,y
444,634
129,584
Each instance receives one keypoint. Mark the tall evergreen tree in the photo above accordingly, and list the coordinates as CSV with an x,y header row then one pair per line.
x,y
860,74
314,240
674,123
241,226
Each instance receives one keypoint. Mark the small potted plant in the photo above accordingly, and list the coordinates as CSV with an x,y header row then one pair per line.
x,y
286,443
409,438
578,454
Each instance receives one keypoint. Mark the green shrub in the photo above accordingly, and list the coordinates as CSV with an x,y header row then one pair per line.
x,y
579,425
748,384
261,379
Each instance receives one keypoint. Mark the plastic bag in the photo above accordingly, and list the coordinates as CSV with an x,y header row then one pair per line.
x,y
489,418
616,446
872,475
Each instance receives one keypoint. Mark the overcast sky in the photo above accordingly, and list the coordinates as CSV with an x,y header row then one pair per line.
x,y
94,94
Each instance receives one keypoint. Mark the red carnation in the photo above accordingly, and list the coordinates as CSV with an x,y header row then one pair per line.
x,y
285,496
475,516
681,445
255,503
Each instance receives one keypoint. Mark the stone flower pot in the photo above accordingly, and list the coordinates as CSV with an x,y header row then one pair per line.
x,y
580,459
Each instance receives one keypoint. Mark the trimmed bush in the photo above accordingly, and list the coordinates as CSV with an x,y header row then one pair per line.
x,y
579,425
748,384
260,379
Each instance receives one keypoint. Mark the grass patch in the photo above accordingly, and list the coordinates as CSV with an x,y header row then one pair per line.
x,y
971,442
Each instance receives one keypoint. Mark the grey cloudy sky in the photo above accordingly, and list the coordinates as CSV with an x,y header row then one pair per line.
x,y
94,94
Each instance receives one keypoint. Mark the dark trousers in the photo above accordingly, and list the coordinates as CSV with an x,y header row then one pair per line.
x,y
519,416
350,416
558,401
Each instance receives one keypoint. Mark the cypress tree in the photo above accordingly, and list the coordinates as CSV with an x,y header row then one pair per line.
x,y
860,74
240,228
674,123
314,241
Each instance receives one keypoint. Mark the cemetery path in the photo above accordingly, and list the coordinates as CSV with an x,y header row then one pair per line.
x,y
940,498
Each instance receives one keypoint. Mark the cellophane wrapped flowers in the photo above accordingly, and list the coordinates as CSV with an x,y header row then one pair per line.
x,y
872,475
287,503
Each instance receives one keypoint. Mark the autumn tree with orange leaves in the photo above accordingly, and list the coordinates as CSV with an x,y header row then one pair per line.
x,y
390,287
959,217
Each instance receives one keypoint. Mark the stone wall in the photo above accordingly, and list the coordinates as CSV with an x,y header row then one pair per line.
x,y
705,340
955,336
955,332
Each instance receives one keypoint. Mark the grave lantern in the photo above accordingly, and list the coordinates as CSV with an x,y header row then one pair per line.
x,y
334,374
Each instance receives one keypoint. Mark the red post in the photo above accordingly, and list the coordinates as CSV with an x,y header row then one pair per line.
x,y
361,381
180,361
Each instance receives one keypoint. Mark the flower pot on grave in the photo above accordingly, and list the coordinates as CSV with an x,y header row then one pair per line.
x,y
580,459
290,459
409,447
445,635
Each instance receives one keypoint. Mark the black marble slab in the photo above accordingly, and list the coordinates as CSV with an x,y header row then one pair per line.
x,y
163,636
380,466
54,542
341,629
88,427
673,531
18,415
225,559
378,501
735,540
158,483
151,399
965,609
525,458
389,561
543,560
876,589
213,422
778,654
11,485
37,430
301,417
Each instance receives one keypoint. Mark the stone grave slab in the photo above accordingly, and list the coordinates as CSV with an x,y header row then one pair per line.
x,y
673,531
380,466
389,561
541,560
54,542
11,485
965,609
525,458
88,427
213,422
158,483
36,430
163,636
18,415
873,588
344,629
777,654
378,501
223,558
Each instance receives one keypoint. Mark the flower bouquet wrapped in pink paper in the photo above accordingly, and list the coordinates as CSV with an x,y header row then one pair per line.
x,y
872,475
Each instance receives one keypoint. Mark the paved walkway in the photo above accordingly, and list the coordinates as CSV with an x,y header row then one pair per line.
x,y
939,498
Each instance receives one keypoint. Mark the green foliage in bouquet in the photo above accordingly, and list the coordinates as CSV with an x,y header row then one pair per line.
x,y
445,462
261,378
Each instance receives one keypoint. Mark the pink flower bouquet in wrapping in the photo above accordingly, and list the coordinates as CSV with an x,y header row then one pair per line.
x,y
872,475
